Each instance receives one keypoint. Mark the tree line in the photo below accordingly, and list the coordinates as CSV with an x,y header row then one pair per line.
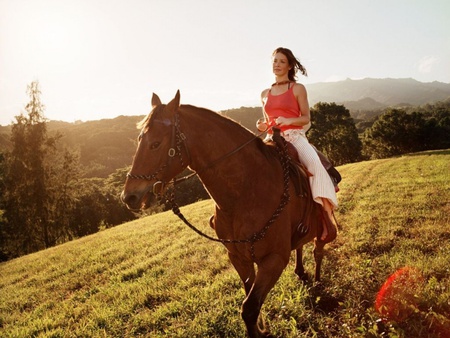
x,y
393,132
46,198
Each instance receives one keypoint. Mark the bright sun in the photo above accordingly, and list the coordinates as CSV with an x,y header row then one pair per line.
x,y
49,37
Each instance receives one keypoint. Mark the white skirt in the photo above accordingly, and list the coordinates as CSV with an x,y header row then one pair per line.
x,y
320,181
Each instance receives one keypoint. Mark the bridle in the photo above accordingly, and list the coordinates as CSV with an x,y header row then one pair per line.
x,y
179,140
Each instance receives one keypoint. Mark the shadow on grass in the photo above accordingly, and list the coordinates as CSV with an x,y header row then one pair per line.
x,y
430,152
322,300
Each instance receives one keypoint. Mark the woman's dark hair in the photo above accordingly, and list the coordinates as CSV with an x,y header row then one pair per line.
x,y
293,62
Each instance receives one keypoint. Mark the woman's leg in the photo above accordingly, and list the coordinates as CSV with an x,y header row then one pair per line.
x,y
322,187
328,208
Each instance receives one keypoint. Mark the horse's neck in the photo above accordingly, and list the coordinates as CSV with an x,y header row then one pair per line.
x,y
225,176
210,138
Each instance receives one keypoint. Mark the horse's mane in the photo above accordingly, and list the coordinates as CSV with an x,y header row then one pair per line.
x,y
146,121
269,150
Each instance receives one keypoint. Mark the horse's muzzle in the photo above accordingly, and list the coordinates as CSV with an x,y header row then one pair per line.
x,y
141,200
132,201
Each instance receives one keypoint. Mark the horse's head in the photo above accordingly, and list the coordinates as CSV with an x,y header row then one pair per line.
x,y
160,155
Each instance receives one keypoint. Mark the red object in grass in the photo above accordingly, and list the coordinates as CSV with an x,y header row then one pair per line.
x,y
396,299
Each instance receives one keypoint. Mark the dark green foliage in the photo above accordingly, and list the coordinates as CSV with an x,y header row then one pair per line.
x,y
29,198
43,201
399,132
115,210
3,253
334,133
394,133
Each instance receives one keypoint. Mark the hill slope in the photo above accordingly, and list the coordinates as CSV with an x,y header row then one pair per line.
x,y
154,277
103,146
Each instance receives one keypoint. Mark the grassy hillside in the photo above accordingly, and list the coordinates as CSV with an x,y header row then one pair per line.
x,y
154,277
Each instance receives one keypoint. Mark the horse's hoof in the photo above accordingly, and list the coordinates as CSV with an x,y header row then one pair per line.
x,y
267,334
318,285
304,277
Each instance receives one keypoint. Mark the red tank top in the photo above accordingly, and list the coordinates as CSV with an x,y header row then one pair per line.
x,y
285,105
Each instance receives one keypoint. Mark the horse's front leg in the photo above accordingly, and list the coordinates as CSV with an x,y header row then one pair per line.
x,y
299,269
269,271
245,270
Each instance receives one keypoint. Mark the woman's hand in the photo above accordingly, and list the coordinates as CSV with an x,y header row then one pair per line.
x,y
282,121
262,125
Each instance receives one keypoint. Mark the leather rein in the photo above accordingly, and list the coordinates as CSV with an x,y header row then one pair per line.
x,y
179,139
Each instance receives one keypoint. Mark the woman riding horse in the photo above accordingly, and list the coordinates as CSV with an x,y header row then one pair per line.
x,y
237,169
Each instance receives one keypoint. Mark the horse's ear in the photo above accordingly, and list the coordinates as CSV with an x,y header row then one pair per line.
x,y
173,105
155,100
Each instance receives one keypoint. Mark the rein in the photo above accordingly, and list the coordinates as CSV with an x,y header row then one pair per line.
x,y
257,236
178,138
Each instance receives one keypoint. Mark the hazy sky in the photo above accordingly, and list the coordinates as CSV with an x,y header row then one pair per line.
x,y
103,58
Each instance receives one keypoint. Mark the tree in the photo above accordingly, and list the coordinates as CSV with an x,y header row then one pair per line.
x,y
37,182
334,133
438,128
62,192
116,211
98,205
25,210
89,210
394,133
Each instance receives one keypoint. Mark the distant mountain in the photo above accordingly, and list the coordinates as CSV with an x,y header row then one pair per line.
x,y
363,104
369,94
105,145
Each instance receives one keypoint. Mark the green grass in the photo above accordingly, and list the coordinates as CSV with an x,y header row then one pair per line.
x,y
154,277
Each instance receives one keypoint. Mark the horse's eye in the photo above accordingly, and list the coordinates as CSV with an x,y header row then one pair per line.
x,y
155,145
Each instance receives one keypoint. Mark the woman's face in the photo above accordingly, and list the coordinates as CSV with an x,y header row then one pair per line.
x,y
280,65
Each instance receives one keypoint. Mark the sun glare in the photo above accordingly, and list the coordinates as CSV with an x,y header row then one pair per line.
x,y
50,37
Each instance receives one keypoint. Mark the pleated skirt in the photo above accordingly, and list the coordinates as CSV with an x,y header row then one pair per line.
x,y
320,181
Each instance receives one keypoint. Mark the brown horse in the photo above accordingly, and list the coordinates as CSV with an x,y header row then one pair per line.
x,y
245,178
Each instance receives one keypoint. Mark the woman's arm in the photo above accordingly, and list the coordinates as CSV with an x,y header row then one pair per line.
x,y
262,123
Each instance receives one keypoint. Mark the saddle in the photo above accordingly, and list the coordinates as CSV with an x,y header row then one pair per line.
x,y
331,170
299,175
297,170
293,154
